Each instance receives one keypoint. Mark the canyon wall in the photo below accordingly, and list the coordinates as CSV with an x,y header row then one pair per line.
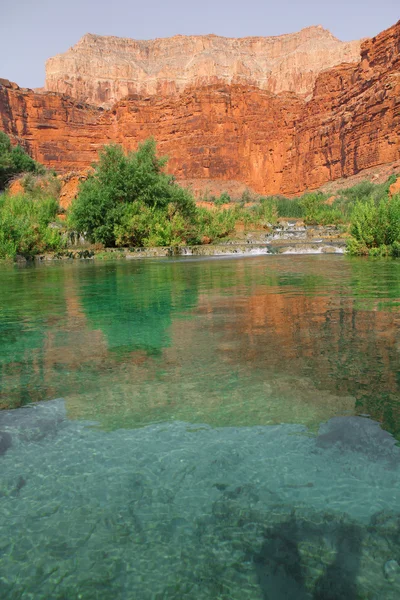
x,y
352,122
57,131
102,70
232,133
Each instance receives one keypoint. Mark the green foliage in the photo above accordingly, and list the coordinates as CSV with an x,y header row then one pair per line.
x,y
311,204
215,224
316,212
129,200
310,207
375,227
14,160
24,225
396,249
289,207
223,199
246,197
347,199
141,225
313,209
366,189
264,213
41,185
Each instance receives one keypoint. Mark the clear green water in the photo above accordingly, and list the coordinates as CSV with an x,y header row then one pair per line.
x,y
200,429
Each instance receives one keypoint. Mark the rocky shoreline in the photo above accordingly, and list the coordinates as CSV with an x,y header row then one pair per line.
x,y
206,251
288,237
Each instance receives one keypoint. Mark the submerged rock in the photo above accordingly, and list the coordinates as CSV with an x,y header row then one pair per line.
x,y
392,570
5,442
358,434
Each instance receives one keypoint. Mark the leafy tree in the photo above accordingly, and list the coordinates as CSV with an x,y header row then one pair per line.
x,y
14,160
130,200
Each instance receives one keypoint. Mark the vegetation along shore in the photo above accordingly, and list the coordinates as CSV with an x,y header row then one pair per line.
x,y
129,202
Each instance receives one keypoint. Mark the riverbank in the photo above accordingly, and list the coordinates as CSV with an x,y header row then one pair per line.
x,y
288,237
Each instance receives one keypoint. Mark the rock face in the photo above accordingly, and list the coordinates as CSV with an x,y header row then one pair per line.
x,y
102,70
395,188
69,188
271,143
57,130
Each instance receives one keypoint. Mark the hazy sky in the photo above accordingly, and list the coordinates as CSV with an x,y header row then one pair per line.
x,y
33,30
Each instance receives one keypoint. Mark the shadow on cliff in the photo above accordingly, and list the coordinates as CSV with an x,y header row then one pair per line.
x,y
279,568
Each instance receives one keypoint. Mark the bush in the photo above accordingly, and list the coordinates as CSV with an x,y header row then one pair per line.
x,y
375,228
129,200
40,186
366,190
347,199
264,214
14,160
312,207
223,199
290,208
24,226
141,225
246,197
215,224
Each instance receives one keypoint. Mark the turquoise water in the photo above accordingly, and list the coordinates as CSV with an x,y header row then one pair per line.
x,y
200,429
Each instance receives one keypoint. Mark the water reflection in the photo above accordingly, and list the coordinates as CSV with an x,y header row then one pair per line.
x,y
288,495
133,307
228,342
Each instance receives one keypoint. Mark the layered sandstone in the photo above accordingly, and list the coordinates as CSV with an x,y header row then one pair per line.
x,y
271,143
352,122
56,130
102,70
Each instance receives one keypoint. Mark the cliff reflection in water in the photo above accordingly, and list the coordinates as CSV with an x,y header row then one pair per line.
x,y
225,342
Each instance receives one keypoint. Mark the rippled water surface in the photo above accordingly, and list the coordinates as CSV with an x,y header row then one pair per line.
x,y
222,428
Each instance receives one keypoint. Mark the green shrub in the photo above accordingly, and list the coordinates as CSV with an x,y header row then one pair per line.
x,y
263,214
289,207
347,199
14,160
44,185
246,197
366,190
24,226
396,249
129,200
215,224
141,225
375,228
312,207
223,199
358,192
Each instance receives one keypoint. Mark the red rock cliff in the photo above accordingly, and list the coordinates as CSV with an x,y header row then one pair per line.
x,y
273,143
352,121
102,70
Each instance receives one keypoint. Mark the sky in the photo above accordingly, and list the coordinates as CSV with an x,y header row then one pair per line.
x,y
33,30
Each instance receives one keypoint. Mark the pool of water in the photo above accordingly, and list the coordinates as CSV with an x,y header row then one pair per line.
x,y
200,428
